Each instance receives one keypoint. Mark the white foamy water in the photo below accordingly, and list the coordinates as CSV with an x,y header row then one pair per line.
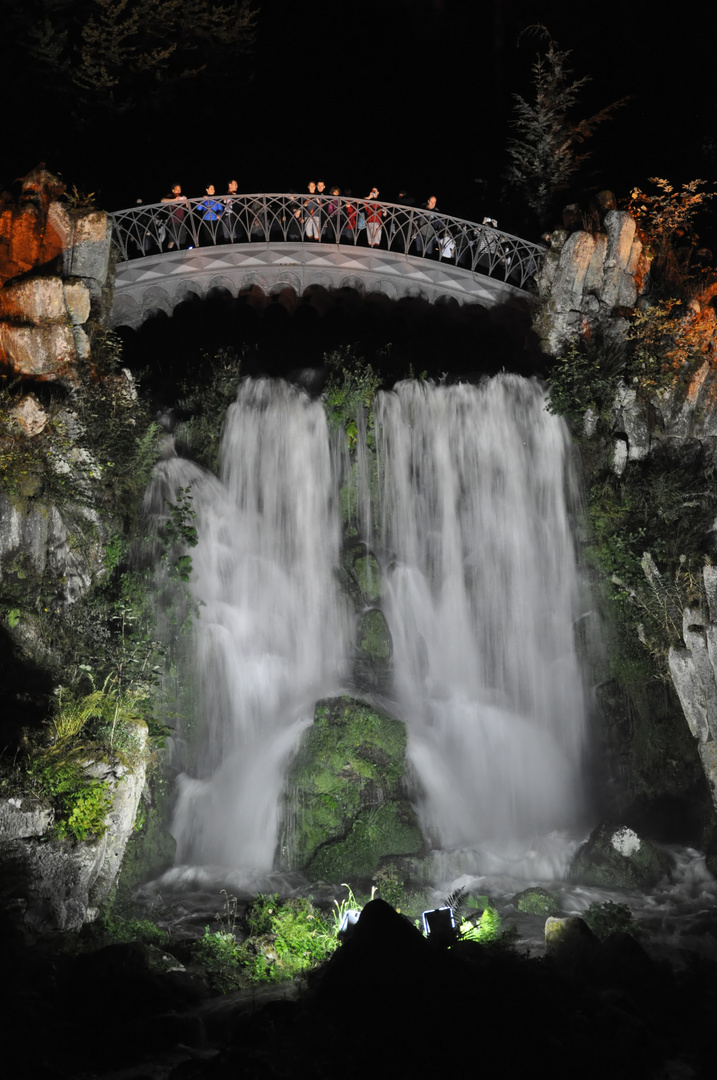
x,y
471,526
482,593
272,632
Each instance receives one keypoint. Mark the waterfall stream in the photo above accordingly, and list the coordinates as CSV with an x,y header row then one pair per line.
x,y
272,632
482,594
470,522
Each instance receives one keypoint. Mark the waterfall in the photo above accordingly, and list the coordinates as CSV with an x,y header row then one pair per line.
x,y
466,505
482,591
271,634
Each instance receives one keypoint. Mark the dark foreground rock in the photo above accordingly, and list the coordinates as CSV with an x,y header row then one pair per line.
x,y
388,1004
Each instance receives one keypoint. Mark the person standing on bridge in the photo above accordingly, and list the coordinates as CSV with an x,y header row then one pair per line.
x,y
175,225
229,214
312,214
333,215
427,235
374,215
211,210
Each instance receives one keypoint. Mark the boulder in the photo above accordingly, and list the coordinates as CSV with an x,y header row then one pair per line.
x,y
615,856
537,901
21,816
346,806
55,273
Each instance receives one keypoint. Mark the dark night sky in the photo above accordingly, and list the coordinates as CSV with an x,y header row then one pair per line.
x,y
413,93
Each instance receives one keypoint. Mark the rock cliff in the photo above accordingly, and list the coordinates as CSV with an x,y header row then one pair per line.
x,y
60,512
55,278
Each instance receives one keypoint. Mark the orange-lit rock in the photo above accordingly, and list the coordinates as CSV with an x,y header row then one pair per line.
x,y
29,416
46,352
27,238
55,278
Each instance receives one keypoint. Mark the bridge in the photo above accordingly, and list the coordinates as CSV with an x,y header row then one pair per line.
x,y
169,252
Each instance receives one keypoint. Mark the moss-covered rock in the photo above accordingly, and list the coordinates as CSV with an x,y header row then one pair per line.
x,y
537,901
346,804
615,856
390,829
374,637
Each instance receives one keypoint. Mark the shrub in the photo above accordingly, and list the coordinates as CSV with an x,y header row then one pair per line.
x,y
609,918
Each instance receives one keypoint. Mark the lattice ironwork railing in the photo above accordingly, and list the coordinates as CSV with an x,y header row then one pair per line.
x,y
405,230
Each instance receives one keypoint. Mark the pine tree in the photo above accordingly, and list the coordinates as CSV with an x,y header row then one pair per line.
x,y
544,152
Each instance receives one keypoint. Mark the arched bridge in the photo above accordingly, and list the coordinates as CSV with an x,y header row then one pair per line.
x,y
171,251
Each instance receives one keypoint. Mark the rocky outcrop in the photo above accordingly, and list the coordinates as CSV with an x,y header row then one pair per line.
x,y
589,280
67,879
60,550
55,279
693,669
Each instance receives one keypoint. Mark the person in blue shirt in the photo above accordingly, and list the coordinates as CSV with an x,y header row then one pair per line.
x,y
210,209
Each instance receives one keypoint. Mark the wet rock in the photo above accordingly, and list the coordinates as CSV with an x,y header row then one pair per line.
x,y
346,807
537,901
615,856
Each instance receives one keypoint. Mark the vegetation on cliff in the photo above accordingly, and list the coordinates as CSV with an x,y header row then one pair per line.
x,y
650,514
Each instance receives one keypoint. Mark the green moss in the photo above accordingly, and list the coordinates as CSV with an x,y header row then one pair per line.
x,y
389,829
349,767
537,901
374,636
368,576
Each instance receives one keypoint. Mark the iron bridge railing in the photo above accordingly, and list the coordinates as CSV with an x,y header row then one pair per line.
x,y
337,220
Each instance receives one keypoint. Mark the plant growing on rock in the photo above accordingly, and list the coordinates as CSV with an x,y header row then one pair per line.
x,y
81,731
349,393
609,918
667,218
284,938
203,404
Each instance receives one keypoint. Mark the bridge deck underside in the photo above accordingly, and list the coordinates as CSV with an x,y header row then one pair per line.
x,y
160,282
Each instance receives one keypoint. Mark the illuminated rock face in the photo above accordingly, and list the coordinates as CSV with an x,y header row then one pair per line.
x,y
55,279
589,280
694,674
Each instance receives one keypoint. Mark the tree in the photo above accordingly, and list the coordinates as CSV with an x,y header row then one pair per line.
x,y
544,152
118,54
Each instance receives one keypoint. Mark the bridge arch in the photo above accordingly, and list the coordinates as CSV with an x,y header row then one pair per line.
x,y
169,252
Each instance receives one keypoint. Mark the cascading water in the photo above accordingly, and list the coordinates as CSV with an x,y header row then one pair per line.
x,y
482,593
272,633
